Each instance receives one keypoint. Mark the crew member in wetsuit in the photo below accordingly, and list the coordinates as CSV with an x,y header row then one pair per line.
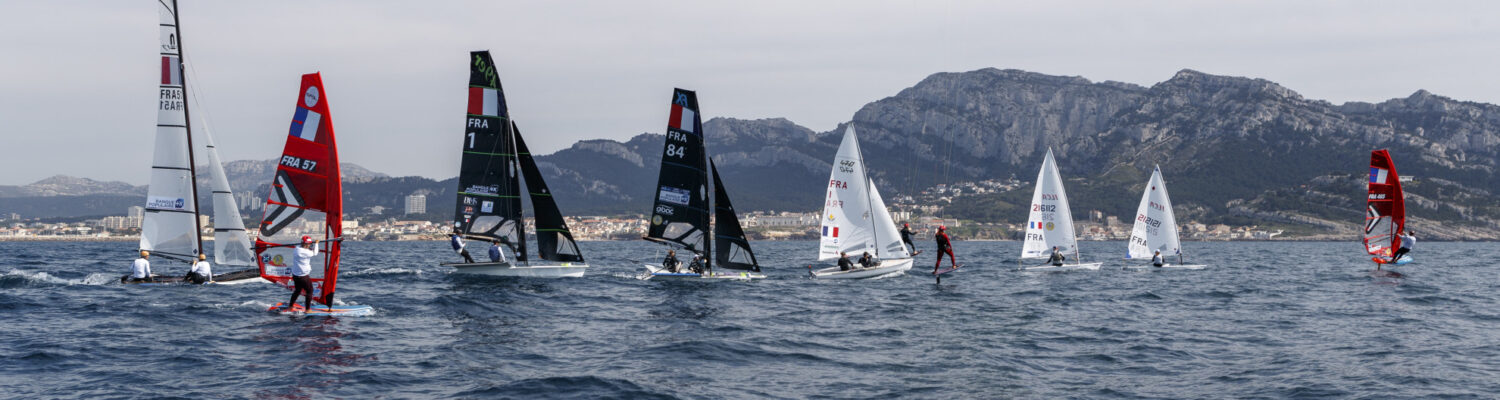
x,y
1057,257
867,261
497,254
943,246
670,263
301,267
140,270
844,263
201,272
697,264
1156,260
1408,240
906,233
458,245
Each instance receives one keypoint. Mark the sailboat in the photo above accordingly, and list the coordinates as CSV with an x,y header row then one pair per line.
x,y
1156,227
1385,210
855,220
170,227
1051,222
306,200
494,162
680,217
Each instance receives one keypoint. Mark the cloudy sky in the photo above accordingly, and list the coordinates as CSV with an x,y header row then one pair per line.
x,y
78,79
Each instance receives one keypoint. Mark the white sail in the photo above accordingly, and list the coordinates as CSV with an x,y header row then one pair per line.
x,y
1155,226
1051,222
847,224
885,229
170,226
231,243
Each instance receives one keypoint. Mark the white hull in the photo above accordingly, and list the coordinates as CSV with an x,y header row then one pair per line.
x,y
560,270
886,267
657,272
1065,267
1167,266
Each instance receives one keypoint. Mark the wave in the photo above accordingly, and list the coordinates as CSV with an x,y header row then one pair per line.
x,y
383,271
19,279
570,387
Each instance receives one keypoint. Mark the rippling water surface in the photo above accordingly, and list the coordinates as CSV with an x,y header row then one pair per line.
x,y
1270,320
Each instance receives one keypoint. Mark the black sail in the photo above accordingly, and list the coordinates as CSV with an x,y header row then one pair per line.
x,y
680,214
734,249
554,241
489,190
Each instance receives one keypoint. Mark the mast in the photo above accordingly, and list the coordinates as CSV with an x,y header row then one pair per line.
x,y
187,116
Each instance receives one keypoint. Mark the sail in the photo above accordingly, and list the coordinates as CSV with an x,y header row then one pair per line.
x,y
1385,211
231,243
489,189
306,195
734,250
847,223
886,233
554,241
1155,226
1051,222
170,225
680,213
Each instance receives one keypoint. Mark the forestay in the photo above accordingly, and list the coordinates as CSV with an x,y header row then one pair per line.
x,y
1050,222
1155,225
1385,209
170,224
306,195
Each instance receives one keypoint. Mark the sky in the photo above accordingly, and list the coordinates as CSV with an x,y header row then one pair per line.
x,y
78,80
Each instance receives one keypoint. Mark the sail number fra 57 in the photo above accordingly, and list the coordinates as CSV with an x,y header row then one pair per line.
x,y
298,163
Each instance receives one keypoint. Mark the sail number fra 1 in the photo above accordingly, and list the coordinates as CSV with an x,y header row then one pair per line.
x,y
298,163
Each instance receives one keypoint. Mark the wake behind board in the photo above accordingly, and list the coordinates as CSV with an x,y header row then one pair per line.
x,y
1403,261
334,311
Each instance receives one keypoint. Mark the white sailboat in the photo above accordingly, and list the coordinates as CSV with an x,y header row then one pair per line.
x,y
1156,227
1051,223
231,242
855,220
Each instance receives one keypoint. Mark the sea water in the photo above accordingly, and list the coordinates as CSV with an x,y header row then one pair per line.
x,y
1265,319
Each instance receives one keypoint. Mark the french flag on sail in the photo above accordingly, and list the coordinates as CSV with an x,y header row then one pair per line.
x,y
305,124
171,71
682,119
1035,225
484,101
835,231
1379,175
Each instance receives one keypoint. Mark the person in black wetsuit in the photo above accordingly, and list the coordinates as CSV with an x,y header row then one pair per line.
x,y
670,263
943,246
1057,257
906,234
844,263
868,261
697,264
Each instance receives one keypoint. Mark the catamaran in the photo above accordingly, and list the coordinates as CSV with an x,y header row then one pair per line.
x,y
855,220
489,190
1385,211
306,201
680,216
170,227
1156,227
1051,223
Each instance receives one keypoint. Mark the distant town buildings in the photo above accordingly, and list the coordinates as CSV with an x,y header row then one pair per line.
x,y
135,211
416,204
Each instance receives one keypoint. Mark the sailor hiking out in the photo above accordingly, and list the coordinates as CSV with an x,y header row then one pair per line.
x,y
201,272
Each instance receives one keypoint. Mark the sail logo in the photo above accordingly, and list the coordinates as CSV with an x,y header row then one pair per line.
x,y
834,233
487,206
668,194
1379,175
166,203
305,122
682,118
492,190
1049,226
171,70
486,70
1046,196
310,97
1158,207
485,102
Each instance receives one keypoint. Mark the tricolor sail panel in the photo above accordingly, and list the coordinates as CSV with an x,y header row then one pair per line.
x,y
680,213
729,238
489,190
1155,225
847,225
554,241
170,224
1385,208
306,197
1050,223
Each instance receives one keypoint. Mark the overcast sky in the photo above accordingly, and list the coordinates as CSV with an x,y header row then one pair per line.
x,y
78,79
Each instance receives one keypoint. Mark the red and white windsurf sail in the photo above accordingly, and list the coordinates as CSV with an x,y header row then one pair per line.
x,y
1385,212
306,196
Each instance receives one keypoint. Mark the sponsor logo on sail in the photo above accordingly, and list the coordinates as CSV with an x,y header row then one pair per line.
x,y
487,206
166,203
1050,226
668,194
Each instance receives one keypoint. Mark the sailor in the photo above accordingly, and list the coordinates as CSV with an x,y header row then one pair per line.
x,y
301,267
140,270
844,263
943,246
697,264
1408,240
670,263
1156,260
867,261
1057,257
497,254
201,272
906,233
458,245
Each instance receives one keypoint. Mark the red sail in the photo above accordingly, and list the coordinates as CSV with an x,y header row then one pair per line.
x,y
1385,214
306,196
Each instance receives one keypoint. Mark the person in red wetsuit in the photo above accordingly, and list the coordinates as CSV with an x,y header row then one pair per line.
x,y
943,246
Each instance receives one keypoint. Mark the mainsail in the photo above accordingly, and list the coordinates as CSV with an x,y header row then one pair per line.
x,y
681,212
1051,222
854,215
1385,210
734,249
554,241
231,243
1155,225
306,195
170,225
489,191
